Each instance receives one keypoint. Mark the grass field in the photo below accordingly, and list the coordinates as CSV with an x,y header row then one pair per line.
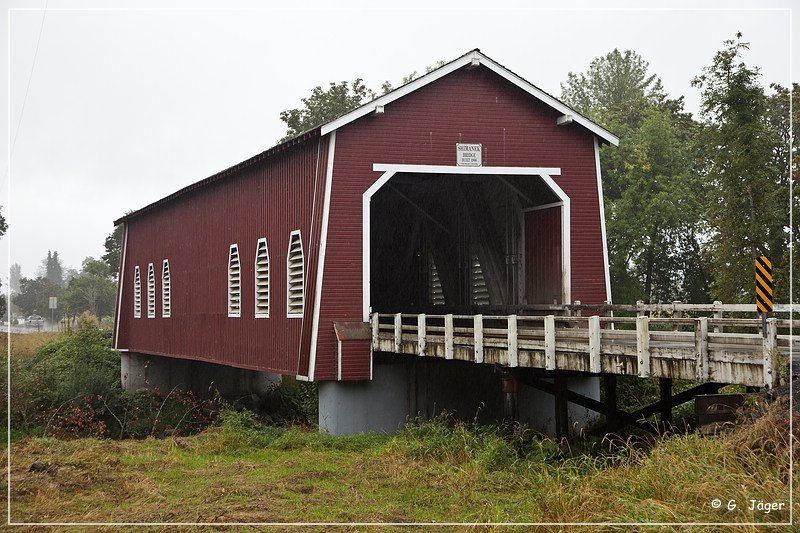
x,y
24,345
243,472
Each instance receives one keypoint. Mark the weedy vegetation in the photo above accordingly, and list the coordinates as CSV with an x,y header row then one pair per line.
x,y
84,450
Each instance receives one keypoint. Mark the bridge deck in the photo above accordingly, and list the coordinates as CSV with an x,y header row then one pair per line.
x,y
700,349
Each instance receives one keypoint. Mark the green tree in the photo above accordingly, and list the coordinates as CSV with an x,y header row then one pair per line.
x,y
786,164
618,83
93,289
747,194
3,224
649,187
325,105
113,245
34,296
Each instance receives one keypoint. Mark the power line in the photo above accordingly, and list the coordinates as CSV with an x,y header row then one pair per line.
x,y
30,77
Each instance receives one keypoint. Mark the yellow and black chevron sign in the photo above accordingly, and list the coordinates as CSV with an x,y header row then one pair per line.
x,y
763,284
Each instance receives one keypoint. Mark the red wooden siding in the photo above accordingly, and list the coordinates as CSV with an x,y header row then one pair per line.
x,y
543,283
269,199
470,106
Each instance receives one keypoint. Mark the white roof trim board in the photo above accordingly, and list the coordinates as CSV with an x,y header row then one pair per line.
x,y
469,59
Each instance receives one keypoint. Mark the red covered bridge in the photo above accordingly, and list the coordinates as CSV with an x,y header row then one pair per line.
x,y
467,191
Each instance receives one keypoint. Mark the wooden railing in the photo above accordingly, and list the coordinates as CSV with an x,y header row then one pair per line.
x,y
703,349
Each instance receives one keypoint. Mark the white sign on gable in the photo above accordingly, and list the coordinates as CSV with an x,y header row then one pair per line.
x,y
468,155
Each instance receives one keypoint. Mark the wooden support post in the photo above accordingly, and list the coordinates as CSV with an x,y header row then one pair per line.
x,y
594,344
665,394
610,388
676,313
478,329
701,348
550,342
577,311
513,354
639,306
718,314
561,406
510,407
448,336
643,345
398,332
422,334
770,345
375,331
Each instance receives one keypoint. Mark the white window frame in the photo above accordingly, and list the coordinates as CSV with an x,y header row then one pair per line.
x,y
261,241
166,290
234,247
289,314
137,292
151,291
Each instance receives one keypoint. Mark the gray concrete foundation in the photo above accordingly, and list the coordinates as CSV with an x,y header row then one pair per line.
x,y
405,388
163,374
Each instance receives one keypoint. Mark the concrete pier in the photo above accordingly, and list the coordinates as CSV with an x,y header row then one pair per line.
x,y
403,389
163,374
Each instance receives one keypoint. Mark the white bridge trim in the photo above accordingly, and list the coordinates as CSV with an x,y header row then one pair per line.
x,y
390,169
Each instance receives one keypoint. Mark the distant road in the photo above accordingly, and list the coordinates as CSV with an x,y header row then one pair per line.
x,y
26,329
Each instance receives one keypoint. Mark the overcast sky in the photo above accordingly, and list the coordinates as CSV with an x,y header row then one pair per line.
x,y
127,106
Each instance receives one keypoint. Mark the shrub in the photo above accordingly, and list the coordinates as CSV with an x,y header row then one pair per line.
x,y
71,387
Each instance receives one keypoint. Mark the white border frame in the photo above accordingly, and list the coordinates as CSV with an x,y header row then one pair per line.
x,y
602,218
303,280
121,280
234,246
389,170
151,273
137,287
323,244
166,290
255,280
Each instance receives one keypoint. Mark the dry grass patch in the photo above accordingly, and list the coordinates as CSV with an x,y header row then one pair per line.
x,y
25,345
246,472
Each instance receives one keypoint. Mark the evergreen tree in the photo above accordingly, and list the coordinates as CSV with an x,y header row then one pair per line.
x,y
654,218
14,275
747,194
113,246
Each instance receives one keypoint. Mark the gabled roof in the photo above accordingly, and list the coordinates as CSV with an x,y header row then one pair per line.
x,y
474,58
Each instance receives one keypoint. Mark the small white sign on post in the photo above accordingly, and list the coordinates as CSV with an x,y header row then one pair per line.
x,y
468,155
53,302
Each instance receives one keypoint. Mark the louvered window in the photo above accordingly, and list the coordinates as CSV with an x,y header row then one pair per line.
x,y
262,279
234,283
295,288
435,293
479,293
166,296
151,291
137,293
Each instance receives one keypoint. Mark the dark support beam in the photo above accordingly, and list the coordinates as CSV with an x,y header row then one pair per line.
x,y
561,406
419,208
610,389
510,405
616,417
665,393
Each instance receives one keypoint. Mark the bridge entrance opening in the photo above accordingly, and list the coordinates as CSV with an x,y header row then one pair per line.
x,y
465,243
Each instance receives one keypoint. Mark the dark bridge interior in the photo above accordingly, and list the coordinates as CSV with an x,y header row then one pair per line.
x,y
451,243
